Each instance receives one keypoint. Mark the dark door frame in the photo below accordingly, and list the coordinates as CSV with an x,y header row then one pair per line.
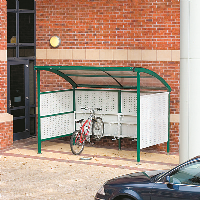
x,y
26,133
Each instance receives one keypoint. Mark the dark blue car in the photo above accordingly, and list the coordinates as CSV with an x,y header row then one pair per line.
x,y
182,182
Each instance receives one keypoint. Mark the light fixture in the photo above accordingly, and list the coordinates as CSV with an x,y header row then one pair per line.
x,y
55,41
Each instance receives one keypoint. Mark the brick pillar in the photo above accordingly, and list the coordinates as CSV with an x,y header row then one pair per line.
x,y
6,120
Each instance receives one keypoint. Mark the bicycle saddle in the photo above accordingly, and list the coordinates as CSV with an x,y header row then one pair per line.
x,y
80,121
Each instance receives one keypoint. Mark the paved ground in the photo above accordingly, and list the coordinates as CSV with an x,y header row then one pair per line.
x,y
58,174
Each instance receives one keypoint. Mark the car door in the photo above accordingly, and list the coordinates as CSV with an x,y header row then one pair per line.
x,y
182,183
164,191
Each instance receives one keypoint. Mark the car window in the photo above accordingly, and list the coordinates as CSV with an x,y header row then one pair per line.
x,y
189,174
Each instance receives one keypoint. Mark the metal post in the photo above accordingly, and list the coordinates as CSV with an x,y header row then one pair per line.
x,y
168,142
74,106
138,117
39,126
74,100
119,111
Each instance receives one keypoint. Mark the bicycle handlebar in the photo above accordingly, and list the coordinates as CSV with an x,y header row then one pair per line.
x,y
86,108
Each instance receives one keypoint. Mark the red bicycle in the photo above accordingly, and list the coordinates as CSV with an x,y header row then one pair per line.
x,y
92,124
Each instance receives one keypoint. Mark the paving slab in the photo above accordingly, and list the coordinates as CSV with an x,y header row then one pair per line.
x,y
58,174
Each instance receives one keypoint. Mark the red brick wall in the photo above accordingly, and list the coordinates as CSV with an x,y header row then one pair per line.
x,y
46,82
3,25
115,24
119,24
3,64
6,134
3,87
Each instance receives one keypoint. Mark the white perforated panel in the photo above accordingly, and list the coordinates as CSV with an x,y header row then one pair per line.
x,y
55,126
153,119
57,102
107,100
129,103
114,124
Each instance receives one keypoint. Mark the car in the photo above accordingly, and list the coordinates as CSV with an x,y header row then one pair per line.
x,y
181,182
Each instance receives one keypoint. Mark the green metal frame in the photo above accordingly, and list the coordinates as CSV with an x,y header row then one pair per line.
x,y
106,70
119,111
40,117
147,71
139,70
138,117
55,91
56,114
39,127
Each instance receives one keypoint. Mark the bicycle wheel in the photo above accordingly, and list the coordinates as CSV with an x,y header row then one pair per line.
x,y
76,145
97,128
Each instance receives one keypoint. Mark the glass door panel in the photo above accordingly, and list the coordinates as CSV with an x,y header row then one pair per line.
x,y
19,127
17,86
18,113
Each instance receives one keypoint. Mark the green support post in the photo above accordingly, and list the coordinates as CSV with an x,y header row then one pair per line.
x,y
39,126
138,117
119,144
74,102
74,105
119,111
168,142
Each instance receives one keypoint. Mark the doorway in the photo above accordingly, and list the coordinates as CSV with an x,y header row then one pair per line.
x,y
21,50
21,98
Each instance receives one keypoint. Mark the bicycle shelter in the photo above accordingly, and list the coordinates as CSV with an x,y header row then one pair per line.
x,y
135,103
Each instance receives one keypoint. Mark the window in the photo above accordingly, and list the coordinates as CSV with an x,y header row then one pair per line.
x,y
21,29
189,174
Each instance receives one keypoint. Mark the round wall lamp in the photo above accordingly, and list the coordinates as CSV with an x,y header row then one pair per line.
x,y
55,41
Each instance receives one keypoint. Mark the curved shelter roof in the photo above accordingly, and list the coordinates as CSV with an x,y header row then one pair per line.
x,y
108,77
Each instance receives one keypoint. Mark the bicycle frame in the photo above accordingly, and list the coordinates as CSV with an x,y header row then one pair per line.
x,y
93,124
83,128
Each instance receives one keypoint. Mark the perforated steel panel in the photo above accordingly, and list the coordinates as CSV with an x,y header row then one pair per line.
x,y
129,103
56,102
115,124
55,126
154,119
54,121
107,100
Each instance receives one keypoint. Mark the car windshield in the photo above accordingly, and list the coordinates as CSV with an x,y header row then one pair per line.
x,y
187,173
